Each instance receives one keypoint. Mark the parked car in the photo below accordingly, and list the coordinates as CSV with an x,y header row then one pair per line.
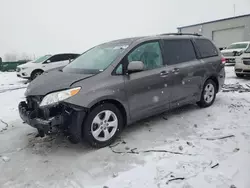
x,y
242,66
233,51
120,82
10,66
35,68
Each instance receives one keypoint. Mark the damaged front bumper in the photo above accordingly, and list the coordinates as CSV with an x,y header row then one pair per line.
x,y
30,117
49,120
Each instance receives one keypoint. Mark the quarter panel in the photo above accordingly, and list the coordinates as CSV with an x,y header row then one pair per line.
x,y
215,69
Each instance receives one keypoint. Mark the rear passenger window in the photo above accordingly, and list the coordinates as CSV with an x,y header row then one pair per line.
x,y
206,48
178,51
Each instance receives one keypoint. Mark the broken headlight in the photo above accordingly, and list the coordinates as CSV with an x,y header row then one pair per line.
x,y
58,96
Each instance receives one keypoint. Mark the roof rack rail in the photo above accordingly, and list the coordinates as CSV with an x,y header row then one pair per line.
x,y
194,34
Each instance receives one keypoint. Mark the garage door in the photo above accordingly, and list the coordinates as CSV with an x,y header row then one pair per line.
x,y
224,38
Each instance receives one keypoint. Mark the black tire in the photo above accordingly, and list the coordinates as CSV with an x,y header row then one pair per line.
x,y
203,103
35,74
87,134
74,139
240,75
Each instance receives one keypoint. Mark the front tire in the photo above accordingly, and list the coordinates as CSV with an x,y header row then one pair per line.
x,y
35,74
208,94
102,125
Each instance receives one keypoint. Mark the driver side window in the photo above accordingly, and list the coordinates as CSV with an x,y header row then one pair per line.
x,y
57,58
148,53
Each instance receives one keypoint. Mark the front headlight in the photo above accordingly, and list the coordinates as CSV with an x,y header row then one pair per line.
x,y
56,97
238,53
24,68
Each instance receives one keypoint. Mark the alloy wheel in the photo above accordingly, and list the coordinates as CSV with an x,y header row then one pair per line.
x,y
104,125
209,93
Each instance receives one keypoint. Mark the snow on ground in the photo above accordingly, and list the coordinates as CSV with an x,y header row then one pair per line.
x,y
8,100
186,148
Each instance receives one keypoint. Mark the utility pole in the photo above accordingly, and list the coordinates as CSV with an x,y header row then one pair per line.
x,y
234,9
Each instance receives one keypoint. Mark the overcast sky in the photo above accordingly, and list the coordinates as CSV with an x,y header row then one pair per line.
x,y
51,26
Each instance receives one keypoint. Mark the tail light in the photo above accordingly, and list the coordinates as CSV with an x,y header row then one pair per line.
x,y
223,60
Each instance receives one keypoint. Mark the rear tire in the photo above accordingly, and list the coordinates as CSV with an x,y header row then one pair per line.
x,y
102,125
240,75
208,94
35,74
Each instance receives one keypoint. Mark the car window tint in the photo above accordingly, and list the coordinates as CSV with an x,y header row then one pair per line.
x,y
55,58
149,54
65,57
206,48
73,56
61,57
178,51
119,69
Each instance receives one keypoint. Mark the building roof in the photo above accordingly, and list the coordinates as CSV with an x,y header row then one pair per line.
x,y
224,19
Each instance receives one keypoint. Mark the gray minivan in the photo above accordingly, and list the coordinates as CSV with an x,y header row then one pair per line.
x,y
120,82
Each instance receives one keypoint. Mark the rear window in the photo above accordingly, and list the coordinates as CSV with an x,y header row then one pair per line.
x,y
206,48
178,51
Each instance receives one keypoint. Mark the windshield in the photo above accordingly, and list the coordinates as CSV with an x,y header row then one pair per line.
x,y
41,59
238,46
248,50
96,59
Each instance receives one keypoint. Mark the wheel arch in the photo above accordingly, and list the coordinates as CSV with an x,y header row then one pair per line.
x,y
215,79
36,70
115,102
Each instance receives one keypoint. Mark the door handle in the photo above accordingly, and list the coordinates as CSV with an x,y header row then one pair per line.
x,y
164,74
175,71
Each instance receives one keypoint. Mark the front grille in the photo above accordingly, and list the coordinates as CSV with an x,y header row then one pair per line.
x,y
43,113
238,70
33,105
33,102
246,61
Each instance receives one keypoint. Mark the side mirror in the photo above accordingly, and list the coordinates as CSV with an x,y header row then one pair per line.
x,y
135,66
48,61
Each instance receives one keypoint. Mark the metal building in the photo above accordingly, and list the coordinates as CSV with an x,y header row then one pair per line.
x,y
224,31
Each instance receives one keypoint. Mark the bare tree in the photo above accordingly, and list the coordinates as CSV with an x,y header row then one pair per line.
x,y
24,56
10,57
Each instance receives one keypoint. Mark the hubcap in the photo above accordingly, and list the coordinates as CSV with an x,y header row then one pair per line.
x,y
209,93
104,125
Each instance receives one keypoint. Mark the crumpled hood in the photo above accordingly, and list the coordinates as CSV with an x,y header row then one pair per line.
x,y
53,81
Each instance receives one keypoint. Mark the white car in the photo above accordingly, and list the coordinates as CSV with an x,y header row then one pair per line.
x,y
242,66
233,51
34,68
